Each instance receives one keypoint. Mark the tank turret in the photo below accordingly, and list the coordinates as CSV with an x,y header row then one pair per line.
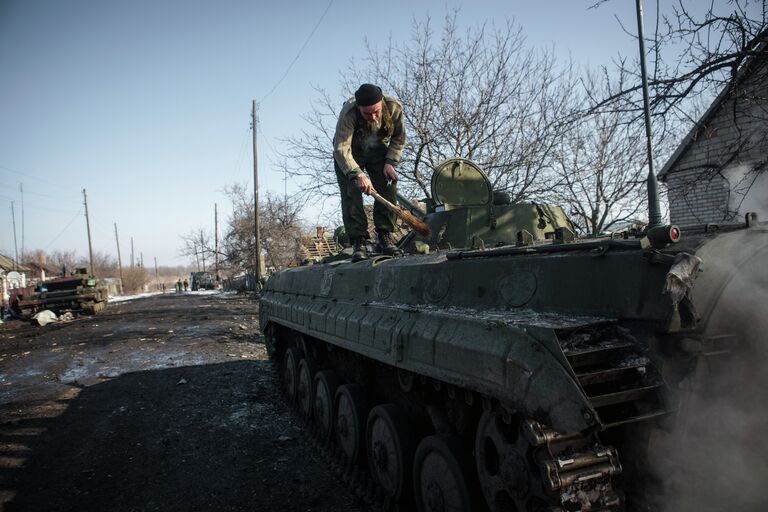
x,y
465,210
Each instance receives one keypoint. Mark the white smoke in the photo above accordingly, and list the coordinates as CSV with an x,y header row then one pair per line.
x,y
749,191
716,458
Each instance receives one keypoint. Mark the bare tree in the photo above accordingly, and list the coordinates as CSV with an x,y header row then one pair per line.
x,y
280,227
237,244
64,260
696,53
135,279
104,265
282,230
601,166
197,244
479,94
701,52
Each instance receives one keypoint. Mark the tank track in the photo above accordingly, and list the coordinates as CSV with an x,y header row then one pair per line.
x,y
357,479
580,470
574,469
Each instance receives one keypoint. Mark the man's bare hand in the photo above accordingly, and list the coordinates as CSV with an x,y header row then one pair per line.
x,y
390,173
364,184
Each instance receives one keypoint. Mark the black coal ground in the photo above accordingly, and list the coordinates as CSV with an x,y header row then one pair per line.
x,y
163,403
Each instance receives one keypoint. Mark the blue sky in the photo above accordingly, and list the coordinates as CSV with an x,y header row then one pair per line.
x,y
146,104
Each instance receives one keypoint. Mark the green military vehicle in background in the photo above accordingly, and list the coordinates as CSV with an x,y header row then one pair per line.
x,y
505,364
76,293
202,281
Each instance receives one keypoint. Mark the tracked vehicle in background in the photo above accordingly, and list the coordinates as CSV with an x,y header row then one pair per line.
x,y
515,367
78,293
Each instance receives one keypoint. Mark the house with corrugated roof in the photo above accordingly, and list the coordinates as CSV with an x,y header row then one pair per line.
x,y
720,170
10,265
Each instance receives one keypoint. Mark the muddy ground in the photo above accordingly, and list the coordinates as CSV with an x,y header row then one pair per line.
x,y
161,403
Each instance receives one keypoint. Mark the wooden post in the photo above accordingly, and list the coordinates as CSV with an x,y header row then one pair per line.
x,y
216,237
15,246
119,259
257,246
88,227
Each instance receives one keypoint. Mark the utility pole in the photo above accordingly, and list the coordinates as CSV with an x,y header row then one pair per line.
x,y
202,249
132,260
257,246
88,227
15,246
157,276
119,260
21,189
216,237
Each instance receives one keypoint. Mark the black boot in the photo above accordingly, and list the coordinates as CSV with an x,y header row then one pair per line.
x,y
387,243
359,252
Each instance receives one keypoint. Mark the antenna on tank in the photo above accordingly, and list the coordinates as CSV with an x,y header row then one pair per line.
x,y
654,210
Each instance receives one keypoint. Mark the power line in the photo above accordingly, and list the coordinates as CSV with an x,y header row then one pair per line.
x,y
267,141
54,210
241,153
49,196
306,42
63,230
38,178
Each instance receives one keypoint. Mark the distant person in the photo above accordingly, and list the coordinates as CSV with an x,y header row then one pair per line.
x,y
163,284
186,285
369,139
178,286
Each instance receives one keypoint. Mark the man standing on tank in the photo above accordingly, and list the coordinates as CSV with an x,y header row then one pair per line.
x,y
369,139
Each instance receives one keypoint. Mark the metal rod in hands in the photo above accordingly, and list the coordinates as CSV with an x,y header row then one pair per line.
x,y
417,225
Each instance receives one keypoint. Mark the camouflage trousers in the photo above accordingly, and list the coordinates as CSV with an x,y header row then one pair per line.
x,y
352,211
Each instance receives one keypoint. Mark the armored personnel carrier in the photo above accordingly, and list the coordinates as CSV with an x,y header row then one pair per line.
x,y
515,367
202,281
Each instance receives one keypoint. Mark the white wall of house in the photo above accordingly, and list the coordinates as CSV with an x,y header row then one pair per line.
x,y
7,285
693,200
713,178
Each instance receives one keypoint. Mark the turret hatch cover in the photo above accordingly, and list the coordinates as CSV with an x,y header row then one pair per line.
x,y
460,182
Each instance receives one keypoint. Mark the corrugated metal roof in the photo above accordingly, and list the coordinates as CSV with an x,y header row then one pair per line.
x,y
8,264
320,247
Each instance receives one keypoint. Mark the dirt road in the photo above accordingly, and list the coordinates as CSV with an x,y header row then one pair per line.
x,y
161,403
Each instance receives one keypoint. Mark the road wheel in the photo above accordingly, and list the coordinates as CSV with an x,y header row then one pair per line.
x,y
291,374
326,384
507,465
440,480
306,390
349,427
390,443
